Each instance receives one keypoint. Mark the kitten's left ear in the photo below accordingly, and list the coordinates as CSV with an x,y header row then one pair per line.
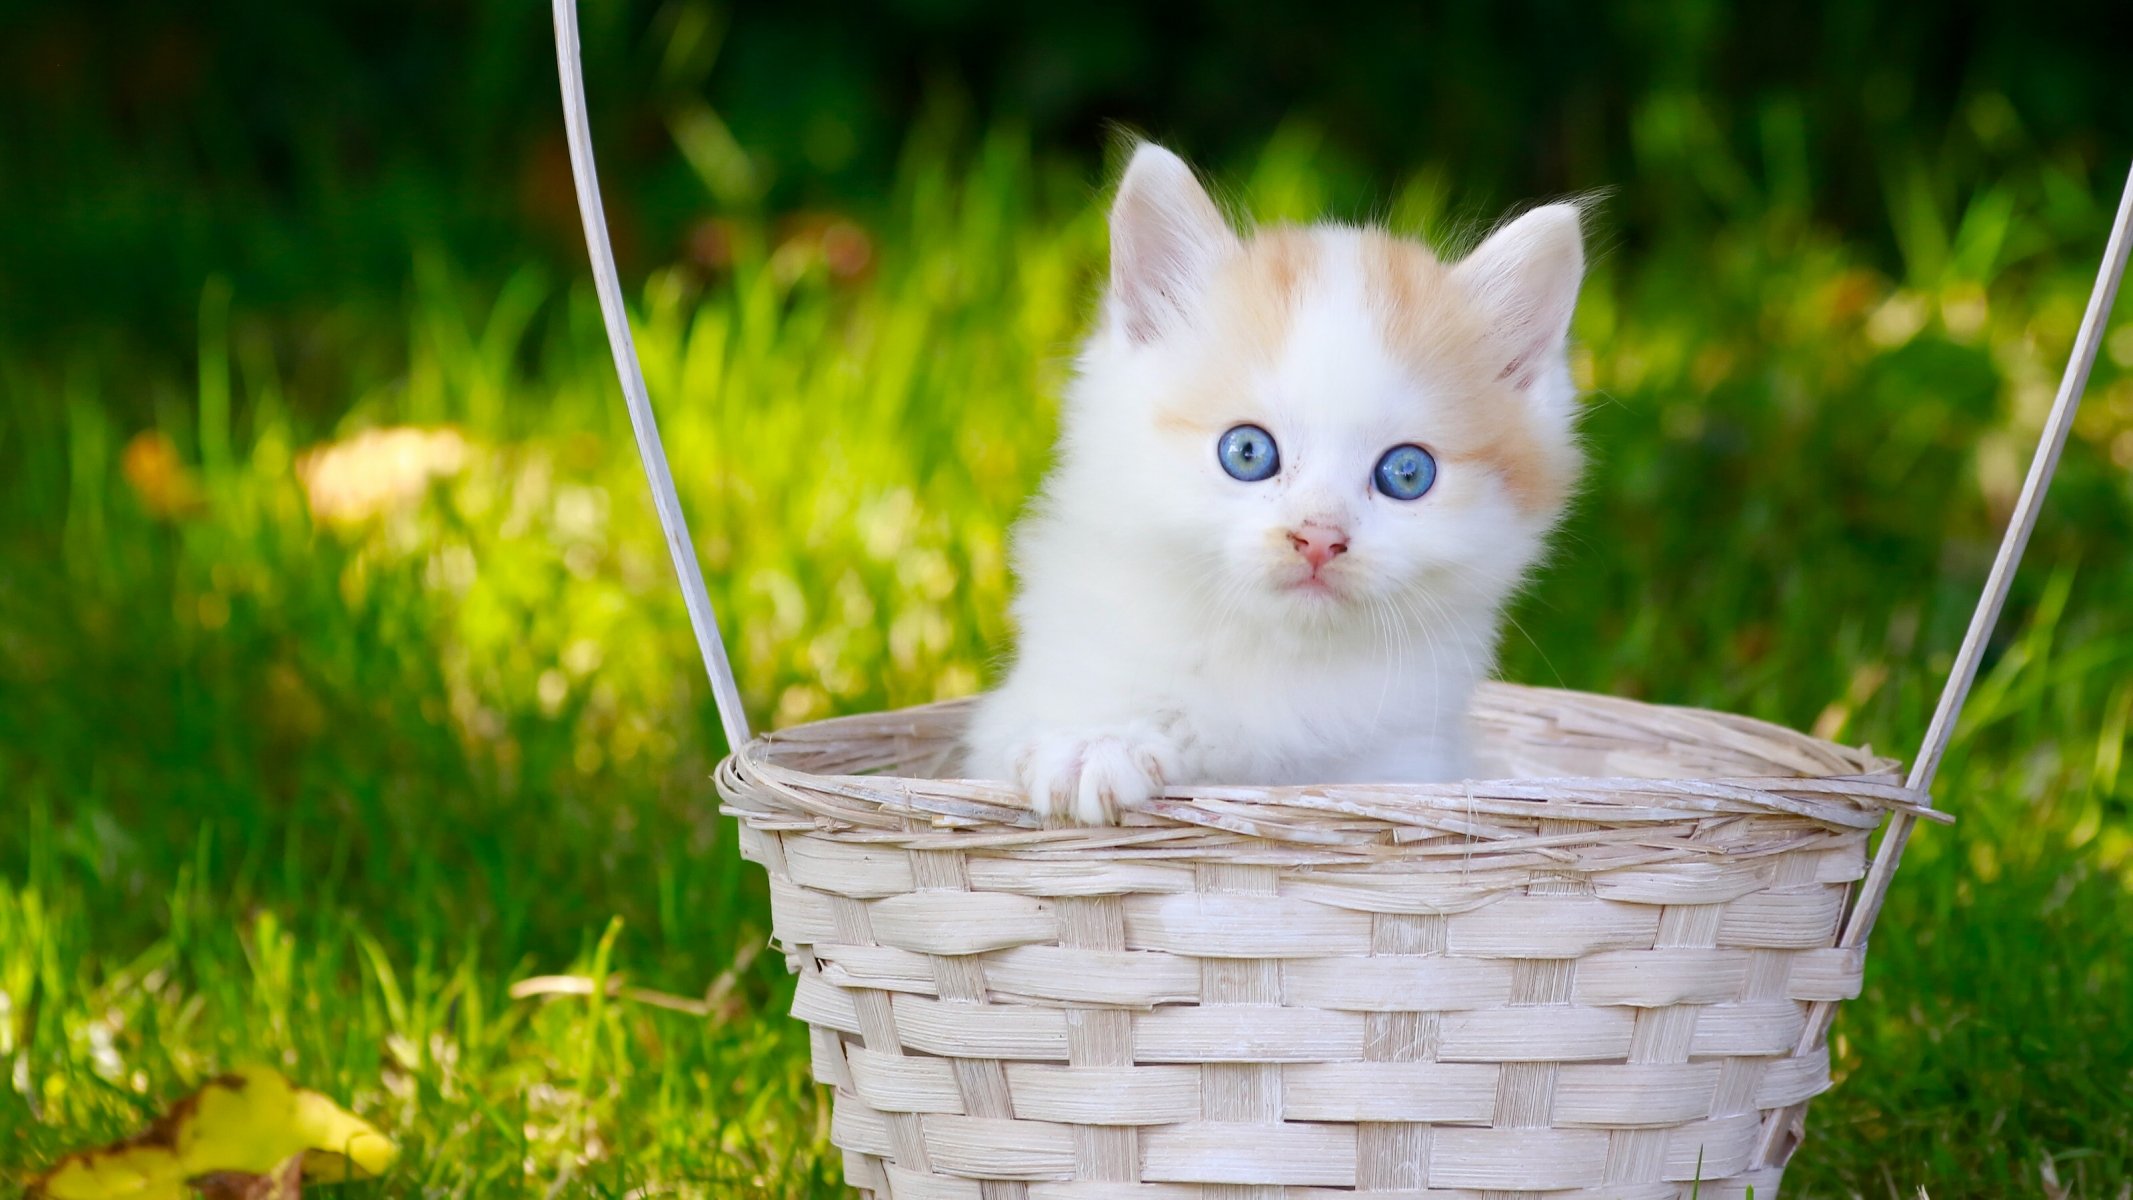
x,y
1526,277
1166,239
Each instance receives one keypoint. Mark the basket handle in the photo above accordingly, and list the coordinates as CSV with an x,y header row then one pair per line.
x,y
2012,543
1780,1135
695,596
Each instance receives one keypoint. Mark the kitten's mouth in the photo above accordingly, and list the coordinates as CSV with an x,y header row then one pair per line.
x,y
1313,584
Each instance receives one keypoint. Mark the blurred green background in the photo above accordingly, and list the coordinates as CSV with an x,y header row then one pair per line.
x,y
343,684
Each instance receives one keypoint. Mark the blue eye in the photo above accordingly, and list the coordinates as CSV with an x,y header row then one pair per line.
x,y
1247,453
1405,472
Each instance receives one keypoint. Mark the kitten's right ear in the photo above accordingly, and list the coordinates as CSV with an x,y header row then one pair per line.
x,y
1526,278
1166,239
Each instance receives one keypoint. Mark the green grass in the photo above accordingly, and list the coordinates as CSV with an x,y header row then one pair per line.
x,y
318,792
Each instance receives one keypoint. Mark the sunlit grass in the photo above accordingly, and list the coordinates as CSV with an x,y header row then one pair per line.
x,y
315,774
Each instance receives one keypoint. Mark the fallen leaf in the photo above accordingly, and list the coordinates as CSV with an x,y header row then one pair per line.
x,y
251,1122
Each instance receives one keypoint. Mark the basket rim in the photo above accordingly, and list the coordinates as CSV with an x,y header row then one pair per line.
x,y
770,781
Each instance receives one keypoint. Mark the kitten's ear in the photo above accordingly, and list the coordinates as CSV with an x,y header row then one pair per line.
x,y
1526,277
1166,238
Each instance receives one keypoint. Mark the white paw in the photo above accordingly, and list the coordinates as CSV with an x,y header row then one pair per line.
x,y
1089,777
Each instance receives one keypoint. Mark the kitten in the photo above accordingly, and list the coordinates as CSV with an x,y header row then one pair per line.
x,y
1299,475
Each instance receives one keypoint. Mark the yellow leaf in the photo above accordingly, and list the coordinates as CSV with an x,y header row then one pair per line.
x,y
332,1135
126,1171
249,1122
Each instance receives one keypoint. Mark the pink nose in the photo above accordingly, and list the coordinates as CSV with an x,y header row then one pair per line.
x,y
1319,544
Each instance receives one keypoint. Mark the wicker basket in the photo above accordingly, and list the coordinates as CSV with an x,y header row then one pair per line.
x,y
1607,974
1591,981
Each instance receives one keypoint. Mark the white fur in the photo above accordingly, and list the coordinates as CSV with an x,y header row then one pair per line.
x,y
1158,641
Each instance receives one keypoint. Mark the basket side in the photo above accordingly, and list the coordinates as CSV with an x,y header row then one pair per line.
x,y
1012,1021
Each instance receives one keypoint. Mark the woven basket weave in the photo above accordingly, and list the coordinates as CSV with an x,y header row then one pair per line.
x,y
1586,981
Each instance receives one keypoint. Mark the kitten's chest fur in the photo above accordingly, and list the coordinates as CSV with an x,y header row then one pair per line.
x,y
1384,706
1377,699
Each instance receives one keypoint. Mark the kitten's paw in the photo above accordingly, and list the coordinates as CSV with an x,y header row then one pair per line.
x,y
1089,778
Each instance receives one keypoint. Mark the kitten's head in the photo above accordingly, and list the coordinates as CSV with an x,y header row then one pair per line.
x,y
1323,425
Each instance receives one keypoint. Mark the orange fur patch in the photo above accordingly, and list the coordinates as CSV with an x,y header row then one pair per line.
x,y
1266,282
1429,322
1256,295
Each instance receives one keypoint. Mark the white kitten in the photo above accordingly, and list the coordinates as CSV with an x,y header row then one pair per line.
x,y
1300,474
